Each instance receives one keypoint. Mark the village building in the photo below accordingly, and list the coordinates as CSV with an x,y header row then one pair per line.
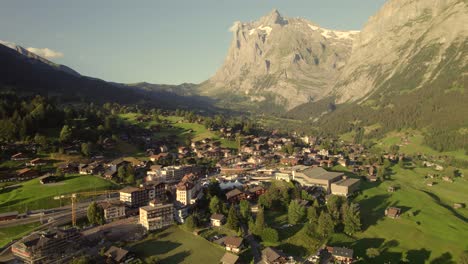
x,y
233,243
113,210
345,187
36,162
273,256
393,212
44,247
19,156
217,219
316,177
229,258
134,197
341,254
119,255
235,195
26,174
156,215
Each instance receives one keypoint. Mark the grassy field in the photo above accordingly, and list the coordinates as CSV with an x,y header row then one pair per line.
x,y
182,130
415,144
174,245
32,194
429,228
294,240
10,233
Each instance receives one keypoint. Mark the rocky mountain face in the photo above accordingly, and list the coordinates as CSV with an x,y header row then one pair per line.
x,y
407,45
287,61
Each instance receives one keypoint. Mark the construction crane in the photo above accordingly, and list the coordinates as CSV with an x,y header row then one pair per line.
x,y
74,197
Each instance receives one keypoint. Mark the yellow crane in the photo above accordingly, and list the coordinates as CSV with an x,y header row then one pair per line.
x,y
74,197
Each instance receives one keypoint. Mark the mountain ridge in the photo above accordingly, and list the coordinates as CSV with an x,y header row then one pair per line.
x,y
280,60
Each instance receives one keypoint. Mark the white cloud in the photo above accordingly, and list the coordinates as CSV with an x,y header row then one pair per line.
x,y
46,53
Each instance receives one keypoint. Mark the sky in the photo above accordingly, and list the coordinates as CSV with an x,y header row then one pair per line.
x,y
169,42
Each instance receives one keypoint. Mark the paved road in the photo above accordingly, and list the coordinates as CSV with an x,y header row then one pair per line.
x,y
254,245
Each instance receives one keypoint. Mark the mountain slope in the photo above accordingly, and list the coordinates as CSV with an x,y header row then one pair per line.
x,y
26,73
408,69
36,58
287,61
402,47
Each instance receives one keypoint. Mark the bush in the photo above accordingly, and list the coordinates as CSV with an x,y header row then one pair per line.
x,y
270,235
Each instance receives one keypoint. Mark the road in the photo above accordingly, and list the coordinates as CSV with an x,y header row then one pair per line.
x,y
254,245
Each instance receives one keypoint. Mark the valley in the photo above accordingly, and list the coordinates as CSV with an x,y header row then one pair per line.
x,y
306,144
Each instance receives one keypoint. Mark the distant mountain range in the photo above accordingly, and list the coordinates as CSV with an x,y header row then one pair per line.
x,y
408,67
26,73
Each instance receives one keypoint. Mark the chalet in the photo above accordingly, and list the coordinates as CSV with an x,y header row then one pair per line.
x,y
26,174
291,161
341,254
229,258
36,162
273,256
118,163
50,179
255,192
235,195
159,157
217,219
68,168
19,156
326,163
393,212
94,168
118,255
233,243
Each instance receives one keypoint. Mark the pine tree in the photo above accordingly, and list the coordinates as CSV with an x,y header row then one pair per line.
x,y
260,221
296,212
215,205
351,219
325,224
244,208
65,133
312,214
232,219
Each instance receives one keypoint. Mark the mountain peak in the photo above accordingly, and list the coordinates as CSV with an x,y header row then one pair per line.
x,y
274,17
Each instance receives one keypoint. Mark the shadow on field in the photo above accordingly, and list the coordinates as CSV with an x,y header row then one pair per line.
x,y
445,258
155,247
176,258
9,189
294,249
374,209
385,256
14,203
418,255
439,202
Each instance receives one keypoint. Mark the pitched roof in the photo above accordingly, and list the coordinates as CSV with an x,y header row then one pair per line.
x,y
271,254
233,241
217,217
233,193
129,189
341,252
118,254
229,258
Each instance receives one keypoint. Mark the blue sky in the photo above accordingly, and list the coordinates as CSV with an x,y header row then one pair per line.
x,y
171,41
